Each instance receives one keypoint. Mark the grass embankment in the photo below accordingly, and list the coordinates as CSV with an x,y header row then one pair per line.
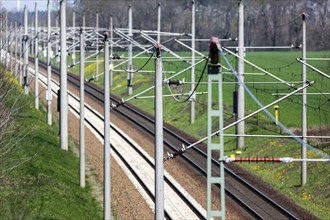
x,y
38,179
315,196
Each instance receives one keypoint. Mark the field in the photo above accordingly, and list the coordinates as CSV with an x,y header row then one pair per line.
x,y
285,177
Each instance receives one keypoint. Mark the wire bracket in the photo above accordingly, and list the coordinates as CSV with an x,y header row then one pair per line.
x,y
175,154
113,105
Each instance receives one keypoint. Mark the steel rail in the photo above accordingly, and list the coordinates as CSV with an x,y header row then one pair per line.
x,y
92,89
200,169
180,194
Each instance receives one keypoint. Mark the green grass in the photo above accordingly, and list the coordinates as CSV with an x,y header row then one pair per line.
x,y
314,196
46,183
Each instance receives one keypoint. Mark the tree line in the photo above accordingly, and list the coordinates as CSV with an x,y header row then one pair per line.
x,y
267,22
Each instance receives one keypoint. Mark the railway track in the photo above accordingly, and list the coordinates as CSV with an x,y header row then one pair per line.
x,y
256,203
128,152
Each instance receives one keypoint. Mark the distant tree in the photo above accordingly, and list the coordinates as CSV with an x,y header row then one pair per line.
x,y
267,22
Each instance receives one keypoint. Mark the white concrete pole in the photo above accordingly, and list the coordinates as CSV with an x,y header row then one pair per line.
x,y
304,108
240,67
49,69
159,22
107,186
20,62
111,50
31,43
193,97
159,148
56,45
97,47
82,106
73,37
10,48
6,40
25,53
1,32
16,49
63,86
130,62
36,61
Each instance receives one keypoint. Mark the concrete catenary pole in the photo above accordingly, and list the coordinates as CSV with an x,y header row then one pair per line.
x,y
159,22
36,61
25,53
20,61
6,40
304,108
240,67
73,37
82,106
7,45
193,97
63,86
159,165
12,48
56,40
49,69
16,49
1,32
130,62
31,43
97,47
9,42
107,186
111,50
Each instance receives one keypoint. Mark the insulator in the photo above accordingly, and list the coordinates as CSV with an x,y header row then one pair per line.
x,y
214,57
214,50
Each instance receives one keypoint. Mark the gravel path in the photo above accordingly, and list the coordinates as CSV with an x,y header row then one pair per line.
x,y
127,203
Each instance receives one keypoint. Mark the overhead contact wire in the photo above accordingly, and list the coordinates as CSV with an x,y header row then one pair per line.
x,y
195,88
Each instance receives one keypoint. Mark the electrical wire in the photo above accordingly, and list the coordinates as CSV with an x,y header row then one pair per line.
x,y
282,67
145,62
288,23
138,70
195,88
269,114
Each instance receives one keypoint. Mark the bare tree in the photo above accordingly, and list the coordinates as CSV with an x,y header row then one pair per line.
x,y
267,22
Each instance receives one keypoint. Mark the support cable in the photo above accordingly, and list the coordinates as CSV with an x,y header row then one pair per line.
x,y
250,63
138,70
313,68
262,108
269,114
270,159
195,88
146,90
